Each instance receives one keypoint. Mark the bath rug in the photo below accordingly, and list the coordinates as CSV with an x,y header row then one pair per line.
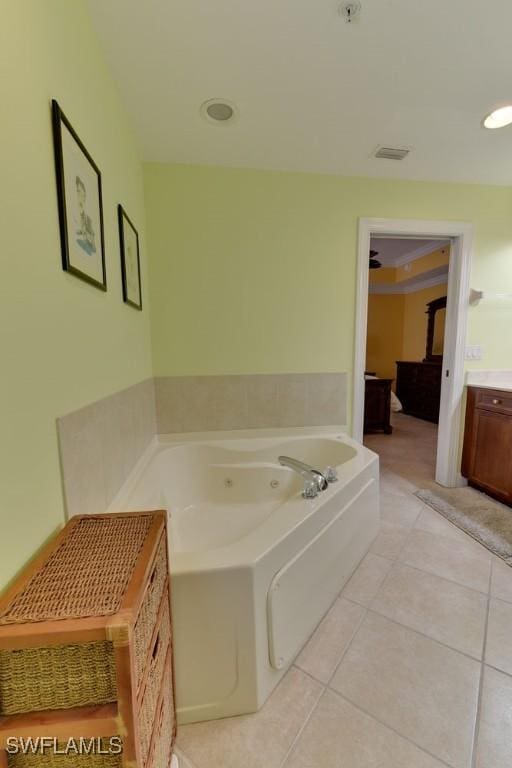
x,y
485,520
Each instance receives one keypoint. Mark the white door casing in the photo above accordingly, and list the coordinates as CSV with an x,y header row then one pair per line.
x,y
452,389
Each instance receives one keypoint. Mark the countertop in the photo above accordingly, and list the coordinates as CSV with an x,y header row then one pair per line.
x,y
500,380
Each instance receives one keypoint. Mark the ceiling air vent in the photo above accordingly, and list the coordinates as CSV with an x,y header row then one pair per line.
x,y
391,153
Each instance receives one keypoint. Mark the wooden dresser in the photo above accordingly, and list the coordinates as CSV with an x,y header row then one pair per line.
x,y
418,387
86,648
487,453
377,406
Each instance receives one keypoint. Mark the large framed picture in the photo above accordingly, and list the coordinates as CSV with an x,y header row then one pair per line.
x,y
80,204
130,260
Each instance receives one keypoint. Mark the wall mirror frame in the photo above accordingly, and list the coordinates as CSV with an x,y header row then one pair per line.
x,y
433,309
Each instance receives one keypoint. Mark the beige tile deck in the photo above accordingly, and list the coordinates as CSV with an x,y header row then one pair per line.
x,y
392,676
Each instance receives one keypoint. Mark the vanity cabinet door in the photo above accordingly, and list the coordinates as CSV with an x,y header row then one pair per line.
x,y
487,460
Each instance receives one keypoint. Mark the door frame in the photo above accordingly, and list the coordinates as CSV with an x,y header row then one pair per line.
x,y
452,388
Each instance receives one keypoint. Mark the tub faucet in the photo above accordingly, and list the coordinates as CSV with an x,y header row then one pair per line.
x,y
314,481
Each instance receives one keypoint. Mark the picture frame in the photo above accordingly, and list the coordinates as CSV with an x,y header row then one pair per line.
x,y
80,204
130,260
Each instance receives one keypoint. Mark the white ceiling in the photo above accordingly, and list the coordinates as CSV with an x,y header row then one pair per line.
x,y
315,93
397,251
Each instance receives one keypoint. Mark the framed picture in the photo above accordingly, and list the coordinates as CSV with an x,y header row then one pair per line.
x,y
80,204
130,260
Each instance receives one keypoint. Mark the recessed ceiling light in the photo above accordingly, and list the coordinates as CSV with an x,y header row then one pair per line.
x,y
499,118
218,111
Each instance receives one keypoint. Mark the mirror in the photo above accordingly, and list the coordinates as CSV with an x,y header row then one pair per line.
x,y
436,311
438,340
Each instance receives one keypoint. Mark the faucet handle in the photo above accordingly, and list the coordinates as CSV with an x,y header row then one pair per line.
x,y
330,474
310,490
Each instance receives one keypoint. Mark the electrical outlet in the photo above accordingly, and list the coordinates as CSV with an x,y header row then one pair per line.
x,y
474,352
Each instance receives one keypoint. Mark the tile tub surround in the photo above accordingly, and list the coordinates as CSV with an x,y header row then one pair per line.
x,y
412,666
100,444
207,403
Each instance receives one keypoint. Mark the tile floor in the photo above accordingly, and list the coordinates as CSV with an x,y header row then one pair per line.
x,y
411,667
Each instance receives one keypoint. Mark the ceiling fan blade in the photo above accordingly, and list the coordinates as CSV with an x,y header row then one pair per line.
x,y
374,263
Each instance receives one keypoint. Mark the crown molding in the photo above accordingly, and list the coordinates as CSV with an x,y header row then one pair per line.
x,y
417,253
409,286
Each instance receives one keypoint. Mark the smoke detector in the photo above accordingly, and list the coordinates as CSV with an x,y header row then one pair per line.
x,y
391,153
350,10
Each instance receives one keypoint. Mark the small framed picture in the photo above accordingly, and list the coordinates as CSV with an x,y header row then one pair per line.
x,y
130,260
80,204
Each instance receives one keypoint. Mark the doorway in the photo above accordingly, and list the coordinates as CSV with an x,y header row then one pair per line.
x,y
458,238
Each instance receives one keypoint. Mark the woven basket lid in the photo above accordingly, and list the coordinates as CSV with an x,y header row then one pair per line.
x,y
86,575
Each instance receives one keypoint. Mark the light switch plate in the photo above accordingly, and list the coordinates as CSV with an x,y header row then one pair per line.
x,y
474,352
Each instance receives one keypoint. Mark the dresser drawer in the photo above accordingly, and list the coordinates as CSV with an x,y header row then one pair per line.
x,y
57,677
494,400
153,682
148,615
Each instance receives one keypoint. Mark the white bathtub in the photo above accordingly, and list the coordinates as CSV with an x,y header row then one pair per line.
x,y
254,566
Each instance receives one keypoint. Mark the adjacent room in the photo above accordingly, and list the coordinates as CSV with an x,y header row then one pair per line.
x,y
256,391
408,287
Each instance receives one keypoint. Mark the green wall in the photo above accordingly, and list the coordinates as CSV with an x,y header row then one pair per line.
x,y
63,343
254,271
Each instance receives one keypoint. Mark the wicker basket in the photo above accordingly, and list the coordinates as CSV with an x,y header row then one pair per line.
x,y
85,632
154,681
86,575
57,677
145,624
77,581
165,730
